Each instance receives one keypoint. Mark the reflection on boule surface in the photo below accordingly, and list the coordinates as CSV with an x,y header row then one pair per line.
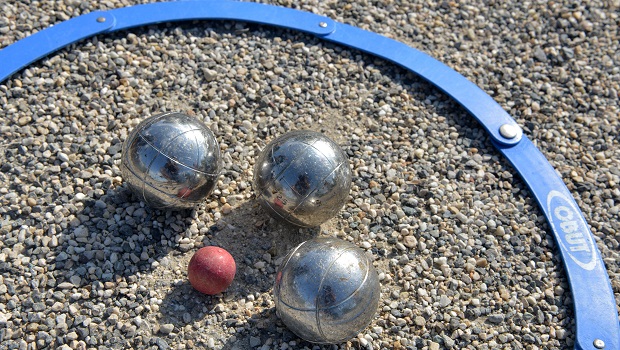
x,y
303,178
171,160
326,290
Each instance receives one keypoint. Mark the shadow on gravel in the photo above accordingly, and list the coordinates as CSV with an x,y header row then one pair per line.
x,y
264,328
116,237
259,328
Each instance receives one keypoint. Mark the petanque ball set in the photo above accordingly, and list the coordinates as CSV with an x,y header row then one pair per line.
x,y
326,289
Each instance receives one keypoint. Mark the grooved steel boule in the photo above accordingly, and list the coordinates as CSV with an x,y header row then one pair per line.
x,y
327,290
171,161
302,177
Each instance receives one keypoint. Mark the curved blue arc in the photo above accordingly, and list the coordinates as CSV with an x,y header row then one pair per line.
x,y
593,297
22,53
594,302
140,15
38,45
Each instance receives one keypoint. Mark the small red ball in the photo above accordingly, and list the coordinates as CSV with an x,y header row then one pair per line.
x,y
211,270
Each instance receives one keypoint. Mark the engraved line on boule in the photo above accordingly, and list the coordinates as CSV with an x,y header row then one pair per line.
x,y
289,213
275,211
275,178
156,118
146,183
358,287
187,193
144,178
316,302
152,120
366,276
198,157
318,293
361,311
295,307
290,255
172,159
336,146
126,155
148,168
282,266
336,167
315,189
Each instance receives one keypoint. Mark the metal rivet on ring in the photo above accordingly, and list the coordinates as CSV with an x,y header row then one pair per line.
x,y
599,344
323,24
100,19
509,131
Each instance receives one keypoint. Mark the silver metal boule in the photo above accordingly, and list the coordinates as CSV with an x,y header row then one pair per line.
x,y
327,290
171,161
302,177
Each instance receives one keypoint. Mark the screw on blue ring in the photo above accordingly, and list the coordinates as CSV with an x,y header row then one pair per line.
x,y
599,344
509,131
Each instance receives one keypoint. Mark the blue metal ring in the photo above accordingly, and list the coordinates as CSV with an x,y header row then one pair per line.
x,y
594,302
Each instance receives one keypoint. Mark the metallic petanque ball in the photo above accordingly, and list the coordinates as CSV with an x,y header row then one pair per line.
x,y
302,177
327,290
171,161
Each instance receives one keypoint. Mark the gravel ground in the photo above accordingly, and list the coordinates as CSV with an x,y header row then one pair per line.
x,y
464,253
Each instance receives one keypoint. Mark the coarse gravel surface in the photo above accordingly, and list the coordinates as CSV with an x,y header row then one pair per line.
x,y
465,256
